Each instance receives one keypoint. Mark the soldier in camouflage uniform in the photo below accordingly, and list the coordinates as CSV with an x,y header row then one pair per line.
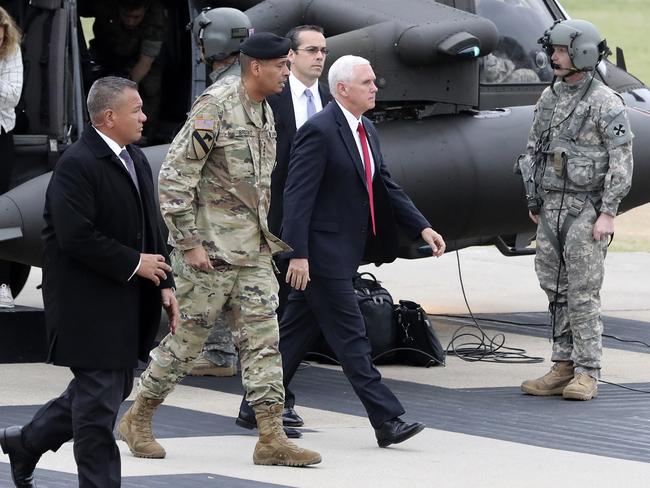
x,y
219,33
127,42
214,195
576,169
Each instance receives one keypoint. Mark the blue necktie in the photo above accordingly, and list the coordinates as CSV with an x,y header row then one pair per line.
x,y
311,108
130,167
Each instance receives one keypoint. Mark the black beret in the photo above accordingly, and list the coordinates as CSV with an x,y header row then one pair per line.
x,y
265,45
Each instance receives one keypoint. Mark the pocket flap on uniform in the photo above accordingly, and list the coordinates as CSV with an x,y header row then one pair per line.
x,y
580,170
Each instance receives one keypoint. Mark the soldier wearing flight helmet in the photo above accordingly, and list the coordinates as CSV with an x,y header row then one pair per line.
x,y
220,33
576,169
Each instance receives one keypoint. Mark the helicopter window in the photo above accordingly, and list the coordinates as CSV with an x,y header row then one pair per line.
x,y
517,58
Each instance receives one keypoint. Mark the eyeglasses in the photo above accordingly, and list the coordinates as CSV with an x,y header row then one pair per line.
x,y
314,50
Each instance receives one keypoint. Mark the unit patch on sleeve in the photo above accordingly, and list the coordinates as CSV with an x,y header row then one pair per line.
x,y
202,137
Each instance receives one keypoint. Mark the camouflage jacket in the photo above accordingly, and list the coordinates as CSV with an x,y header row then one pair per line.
x,y
215,182
582,143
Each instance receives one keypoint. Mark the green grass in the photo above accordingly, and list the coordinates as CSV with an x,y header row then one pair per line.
x,y
87,26
624,23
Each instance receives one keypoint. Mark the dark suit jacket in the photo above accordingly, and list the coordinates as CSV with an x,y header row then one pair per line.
x,y
285,126
95,229
326,205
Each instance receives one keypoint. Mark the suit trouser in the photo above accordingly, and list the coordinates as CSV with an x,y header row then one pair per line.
x,y
283,298
85,412
329,306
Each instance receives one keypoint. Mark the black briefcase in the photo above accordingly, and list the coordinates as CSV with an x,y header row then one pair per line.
x,y
376,305
418,344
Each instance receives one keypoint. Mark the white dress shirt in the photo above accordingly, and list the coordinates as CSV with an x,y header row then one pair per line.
x,y
300,99
115,147
354,125
11,84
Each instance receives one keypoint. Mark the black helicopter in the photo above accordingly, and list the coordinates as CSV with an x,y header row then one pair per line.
x,y
458,81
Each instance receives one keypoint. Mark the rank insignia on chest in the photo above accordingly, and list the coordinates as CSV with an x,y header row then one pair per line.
x,y
202,138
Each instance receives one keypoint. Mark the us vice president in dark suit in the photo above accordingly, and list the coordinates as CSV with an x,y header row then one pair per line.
x,y
342,207
105,277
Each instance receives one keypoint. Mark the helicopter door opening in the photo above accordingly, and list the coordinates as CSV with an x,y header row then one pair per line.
x,y
43,113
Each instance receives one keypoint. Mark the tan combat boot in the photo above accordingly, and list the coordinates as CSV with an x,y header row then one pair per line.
x,y
552,383
205,367
273,446
135,428
581,387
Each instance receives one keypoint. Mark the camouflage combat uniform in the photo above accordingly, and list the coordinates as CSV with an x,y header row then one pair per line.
x,y
214,191
226,75
219,347
583,168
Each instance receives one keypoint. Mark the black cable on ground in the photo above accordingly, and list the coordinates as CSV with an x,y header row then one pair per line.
x,y
483,347
533,325
334,361
485,319
490,349
624,387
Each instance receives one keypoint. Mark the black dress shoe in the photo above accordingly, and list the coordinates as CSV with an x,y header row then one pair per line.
x,y
395,431
291,418
22,461
248,422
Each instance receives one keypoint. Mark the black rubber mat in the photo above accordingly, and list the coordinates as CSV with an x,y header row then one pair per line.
x,y
537,324
54,479
168,421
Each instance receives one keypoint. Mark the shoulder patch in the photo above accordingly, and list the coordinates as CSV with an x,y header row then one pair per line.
x,y
618,130
201,143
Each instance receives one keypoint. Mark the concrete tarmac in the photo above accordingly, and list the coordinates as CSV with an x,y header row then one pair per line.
x,y
481,430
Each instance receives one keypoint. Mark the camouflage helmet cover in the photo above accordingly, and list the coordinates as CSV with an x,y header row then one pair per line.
x,y
585,45
220,31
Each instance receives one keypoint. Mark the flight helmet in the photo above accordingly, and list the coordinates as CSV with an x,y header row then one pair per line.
x,y
585,45
220,32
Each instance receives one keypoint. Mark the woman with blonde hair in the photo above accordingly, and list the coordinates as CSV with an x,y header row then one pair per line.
x,y
11,85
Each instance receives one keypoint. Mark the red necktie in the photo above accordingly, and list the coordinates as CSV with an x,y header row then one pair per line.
x,y
367,162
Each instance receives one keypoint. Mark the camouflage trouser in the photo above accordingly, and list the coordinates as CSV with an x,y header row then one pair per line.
x,y
248,295
219,347
577,335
